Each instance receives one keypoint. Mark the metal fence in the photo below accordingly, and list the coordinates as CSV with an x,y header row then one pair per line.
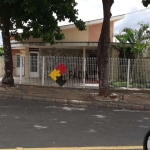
x,y
79,72
130,73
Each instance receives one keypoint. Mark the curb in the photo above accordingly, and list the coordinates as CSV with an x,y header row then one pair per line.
x,y
83,148
101,104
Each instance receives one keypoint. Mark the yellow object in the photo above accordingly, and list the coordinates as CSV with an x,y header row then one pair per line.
x,y
83,148
54,74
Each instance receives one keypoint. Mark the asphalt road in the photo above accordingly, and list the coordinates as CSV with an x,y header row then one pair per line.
x,y
41,124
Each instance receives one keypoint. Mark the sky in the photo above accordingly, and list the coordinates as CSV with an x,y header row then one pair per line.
x,y
93,9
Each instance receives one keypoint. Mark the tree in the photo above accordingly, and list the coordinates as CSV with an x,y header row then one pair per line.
x,y
123,47
141,38
125,51
1,51
103,49
133,40
132,44
146,2
36,18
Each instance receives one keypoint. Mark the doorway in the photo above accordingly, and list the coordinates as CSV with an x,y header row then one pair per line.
x,y
18,64
34,64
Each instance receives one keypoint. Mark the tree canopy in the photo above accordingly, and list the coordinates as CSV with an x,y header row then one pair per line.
x,y
146,2
39,18
36,18
133,41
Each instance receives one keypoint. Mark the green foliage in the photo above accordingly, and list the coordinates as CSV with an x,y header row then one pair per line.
x,y
128,53
123,46
132,41
39,18
131,85
146,2
119,84
1,51
141,38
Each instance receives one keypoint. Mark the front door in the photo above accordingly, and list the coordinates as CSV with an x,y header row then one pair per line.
x,y
34,64
18,64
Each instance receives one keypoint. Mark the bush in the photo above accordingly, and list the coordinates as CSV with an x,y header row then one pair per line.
x,y
119,84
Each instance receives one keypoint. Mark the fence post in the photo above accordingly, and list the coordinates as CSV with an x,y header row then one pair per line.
x,y
128,74
20,70
112,68
43,70
84,66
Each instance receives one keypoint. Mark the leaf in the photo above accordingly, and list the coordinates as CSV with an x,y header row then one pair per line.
x,y
39,18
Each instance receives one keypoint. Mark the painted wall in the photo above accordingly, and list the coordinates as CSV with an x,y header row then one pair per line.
x,y
71,35
94,32
74,35
91,34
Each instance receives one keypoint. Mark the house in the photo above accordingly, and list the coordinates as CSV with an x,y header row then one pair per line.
x,y
76,43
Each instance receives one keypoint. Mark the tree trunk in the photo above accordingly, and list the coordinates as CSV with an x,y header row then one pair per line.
x,y
103,50
8,77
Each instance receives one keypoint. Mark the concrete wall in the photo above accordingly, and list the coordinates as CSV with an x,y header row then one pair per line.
x,y
146,53
1,66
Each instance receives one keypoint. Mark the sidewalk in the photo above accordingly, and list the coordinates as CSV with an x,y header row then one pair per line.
x,y
122,99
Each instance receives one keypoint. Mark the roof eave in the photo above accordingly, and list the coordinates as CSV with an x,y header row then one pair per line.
x,y
97,21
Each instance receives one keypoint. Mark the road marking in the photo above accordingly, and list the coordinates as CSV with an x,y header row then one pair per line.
x,y
82,148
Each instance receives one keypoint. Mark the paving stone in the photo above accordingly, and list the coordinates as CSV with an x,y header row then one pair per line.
x,y
2,95
9,96
112,105
2,89
38,98
138,107
18,97
87,103
63,101
99,104
125,106
27,97
145,96
76,102
52,100
147,107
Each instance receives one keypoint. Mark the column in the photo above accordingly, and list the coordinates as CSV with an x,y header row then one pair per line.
x,y
27,62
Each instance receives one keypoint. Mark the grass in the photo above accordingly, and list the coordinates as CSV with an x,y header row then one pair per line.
x,y
131,85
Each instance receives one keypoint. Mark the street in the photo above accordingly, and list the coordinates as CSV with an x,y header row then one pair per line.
x,y
42,124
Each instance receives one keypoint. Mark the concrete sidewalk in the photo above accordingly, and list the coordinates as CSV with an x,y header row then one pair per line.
x,y
83,148
123,99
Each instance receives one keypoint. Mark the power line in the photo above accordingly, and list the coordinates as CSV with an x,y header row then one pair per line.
x,y
137,11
